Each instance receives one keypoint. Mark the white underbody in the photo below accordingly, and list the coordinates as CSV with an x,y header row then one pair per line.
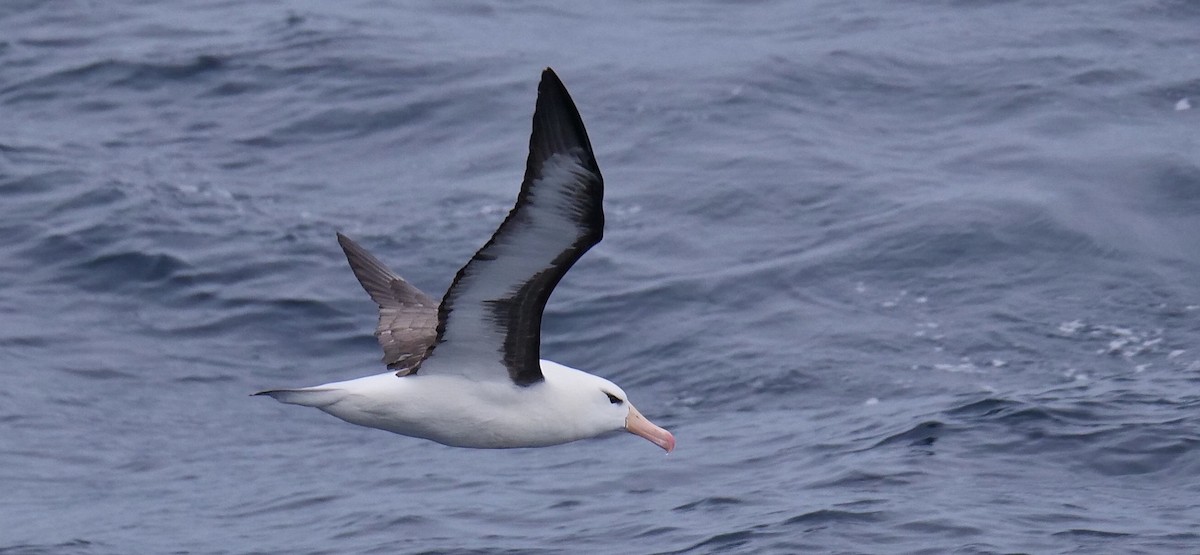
x,y
456,410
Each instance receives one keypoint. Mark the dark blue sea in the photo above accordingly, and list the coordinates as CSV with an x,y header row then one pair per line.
x,y
914,276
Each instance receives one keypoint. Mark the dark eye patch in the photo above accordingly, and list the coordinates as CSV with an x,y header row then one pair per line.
x,y
613,398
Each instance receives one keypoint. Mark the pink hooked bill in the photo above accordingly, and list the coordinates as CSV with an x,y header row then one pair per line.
x,y
637,424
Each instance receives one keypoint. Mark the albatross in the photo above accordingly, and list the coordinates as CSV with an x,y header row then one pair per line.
x,y
467,372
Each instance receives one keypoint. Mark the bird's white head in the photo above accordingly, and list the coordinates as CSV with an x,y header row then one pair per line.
x,y
634,423
604,405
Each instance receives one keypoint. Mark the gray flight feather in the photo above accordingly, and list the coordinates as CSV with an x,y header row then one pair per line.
x,y
407,317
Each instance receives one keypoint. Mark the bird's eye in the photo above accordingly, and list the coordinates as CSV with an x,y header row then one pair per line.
x,y
613,398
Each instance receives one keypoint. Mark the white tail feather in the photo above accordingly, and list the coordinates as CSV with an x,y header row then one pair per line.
x,y
309,397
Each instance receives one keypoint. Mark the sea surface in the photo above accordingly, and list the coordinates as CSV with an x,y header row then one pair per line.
x,y
901,276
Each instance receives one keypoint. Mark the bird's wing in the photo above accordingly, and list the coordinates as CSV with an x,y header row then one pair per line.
x,y
407,317
491,317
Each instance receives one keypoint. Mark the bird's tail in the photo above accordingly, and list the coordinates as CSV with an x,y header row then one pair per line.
x,y
309,396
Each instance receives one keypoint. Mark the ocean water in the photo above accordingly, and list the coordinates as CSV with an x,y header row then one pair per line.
x,y
902,277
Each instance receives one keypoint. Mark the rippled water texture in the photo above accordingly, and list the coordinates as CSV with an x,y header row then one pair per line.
x,y
902,277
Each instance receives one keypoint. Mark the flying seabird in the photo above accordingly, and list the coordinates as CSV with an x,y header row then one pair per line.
x,y
468,372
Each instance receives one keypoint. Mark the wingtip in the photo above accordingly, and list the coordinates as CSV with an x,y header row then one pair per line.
x,y
557,125
551,81
352,249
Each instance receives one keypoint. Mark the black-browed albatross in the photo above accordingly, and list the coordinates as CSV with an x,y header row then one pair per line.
x,y
468,372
